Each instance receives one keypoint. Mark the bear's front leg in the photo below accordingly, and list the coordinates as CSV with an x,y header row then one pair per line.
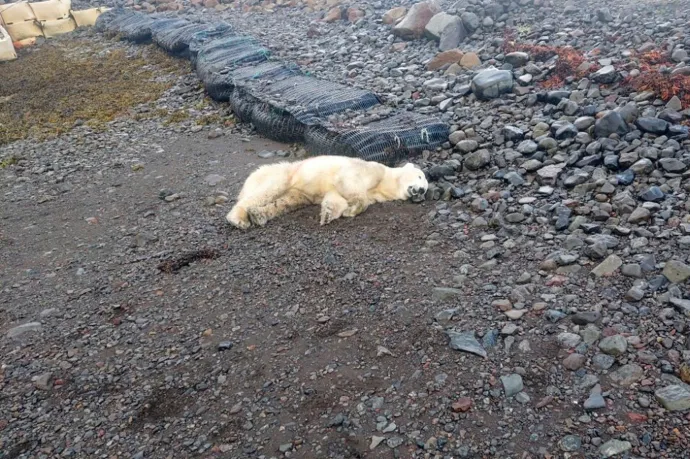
x,y
332,207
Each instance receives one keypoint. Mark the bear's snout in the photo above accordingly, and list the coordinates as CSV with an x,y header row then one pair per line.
x,y
414,191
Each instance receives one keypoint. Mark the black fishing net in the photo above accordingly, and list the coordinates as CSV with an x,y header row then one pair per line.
x,y
277,98
174,37
135,28
104,19
311,100
288,106
222,84
387,141
216,60
212,32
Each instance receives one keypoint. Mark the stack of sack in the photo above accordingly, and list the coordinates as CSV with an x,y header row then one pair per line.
x,y
22,22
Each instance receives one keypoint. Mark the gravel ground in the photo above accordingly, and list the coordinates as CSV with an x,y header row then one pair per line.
x,y
535,305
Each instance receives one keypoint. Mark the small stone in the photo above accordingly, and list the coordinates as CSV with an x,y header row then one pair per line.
x,y
491,83
376,441
570,443
574,361
512,384
462,405
614,447
465,341
568,340
43,381
441,294
627,375
613,345
603,361
608,266
24,328
673,398
676,272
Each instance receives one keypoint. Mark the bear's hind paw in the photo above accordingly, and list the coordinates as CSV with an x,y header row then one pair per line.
x,y
257,217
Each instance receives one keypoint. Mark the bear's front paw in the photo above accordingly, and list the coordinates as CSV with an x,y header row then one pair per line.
x,y
234,219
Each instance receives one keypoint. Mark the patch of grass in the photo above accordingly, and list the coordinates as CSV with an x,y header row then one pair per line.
x,y
49,89
7,162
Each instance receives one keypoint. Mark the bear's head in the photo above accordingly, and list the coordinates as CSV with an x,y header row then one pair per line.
x,y
412,182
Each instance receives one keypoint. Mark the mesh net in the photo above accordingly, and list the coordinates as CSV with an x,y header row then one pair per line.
x,y
224,82
310,100
176,38
282,109
215,61
387,141
104,19
277,98
136,27
212,32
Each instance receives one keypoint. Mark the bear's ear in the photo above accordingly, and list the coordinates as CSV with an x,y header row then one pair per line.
x,y
408,166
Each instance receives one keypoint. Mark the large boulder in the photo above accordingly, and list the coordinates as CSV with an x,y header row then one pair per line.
x,y
471,21
491,83
394,15
437,25
454,34
413,24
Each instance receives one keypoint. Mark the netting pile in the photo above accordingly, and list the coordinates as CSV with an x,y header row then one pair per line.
x,y
281,101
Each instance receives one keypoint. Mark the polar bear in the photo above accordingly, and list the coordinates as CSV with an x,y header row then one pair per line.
x,y
343,186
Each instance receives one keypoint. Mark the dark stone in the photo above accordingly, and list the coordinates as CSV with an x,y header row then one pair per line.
x,y
611,162
652,125
626,177
611,123
652,194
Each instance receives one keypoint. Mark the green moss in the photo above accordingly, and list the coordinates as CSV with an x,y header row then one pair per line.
x,y
50,88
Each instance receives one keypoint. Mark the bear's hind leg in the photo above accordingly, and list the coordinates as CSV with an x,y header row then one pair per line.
x,y
291,200
262,187
356,205
332,207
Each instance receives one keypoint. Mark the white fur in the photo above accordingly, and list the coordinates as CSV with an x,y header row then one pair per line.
x,y
343,186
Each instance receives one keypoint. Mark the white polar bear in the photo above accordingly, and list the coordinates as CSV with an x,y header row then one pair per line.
x,y
343,186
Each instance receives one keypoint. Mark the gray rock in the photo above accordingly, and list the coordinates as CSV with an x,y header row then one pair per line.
x,y
568,340
613,345
512,384
470,21
610,123
24,328
465,341
673,398
605,75
477,160
676,271
570,443
652,125
614,447
454,34
627,375
437,24
491,83
517,59
414,23
672,165
639,215
603,361
439,294
608,266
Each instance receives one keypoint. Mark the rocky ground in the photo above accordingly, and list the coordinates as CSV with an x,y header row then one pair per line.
x,y
535,305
